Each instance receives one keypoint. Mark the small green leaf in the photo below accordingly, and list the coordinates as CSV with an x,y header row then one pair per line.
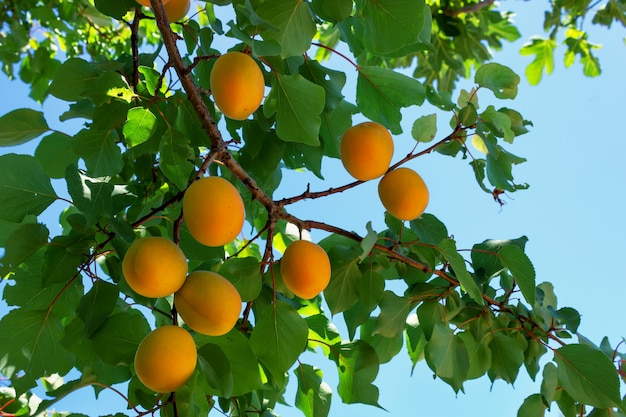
x,y
295,24
507,356
543,50
97,304
24,188
313,396
297,103
429,229
99,151
23,242
357,364
55,153
342,290
245,275
499,79
176,157
415,342
72,79
382,92
368,242
533,406
279,337
62,258
139,126
448,250
550,383
518,263
446,355
21,125
588,376
425,128
394,311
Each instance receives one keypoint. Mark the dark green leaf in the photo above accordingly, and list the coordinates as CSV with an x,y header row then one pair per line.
x,y
62,258
99,151
386,347
72,78
295,24
332,10
394,311
20,126
279,337
429,313
216,369
357,364
245,275
55,153
446,355
297,103
117,339
25,240
313,396
499,79
448,249
518,263
429,229
533,406
498,123
342,291
382,92
588,376
116,9
176,157
24,188
97,304
507,356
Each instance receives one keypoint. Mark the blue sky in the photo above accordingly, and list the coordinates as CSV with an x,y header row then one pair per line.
x,y
573,215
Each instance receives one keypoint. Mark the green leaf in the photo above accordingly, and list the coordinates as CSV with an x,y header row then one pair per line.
x,y
507,356
99,151
295,24
498,123
386,347
176,159
245,275
117,339
518,263
20,126
62,258
499,79
97,304
139,126
313,396
332,10
115,9
394,311
55,153
368,242
342,290
243,363
297,103
446,355
23,242
550,383
395,28
216,369
479,354
24,188
425,128
543,50
429,229
33,349
588,376
357,364
533,406
429,313
448,250
415,342
382,92
279,337
72,79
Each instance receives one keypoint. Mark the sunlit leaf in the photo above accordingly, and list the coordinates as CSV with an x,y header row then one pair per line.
x,y
357,364
295,24
448,249
425,128
245,275
313,396
499,79
140,125
521,268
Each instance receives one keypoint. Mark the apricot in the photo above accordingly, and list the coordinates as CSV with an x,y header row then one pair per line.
x,y
176,9
154,267
305,269
237,85
403,193
147,2
213,211
366,150
166,358
208,303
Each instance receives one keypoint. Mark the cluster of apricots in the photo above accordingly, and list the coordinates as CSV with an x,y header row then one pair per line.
x,y
366,151
174,9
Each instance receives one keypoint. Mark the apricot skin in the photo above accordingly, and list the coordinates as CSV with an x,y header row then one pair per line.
x,y
166,358
305,269
176,9
213,211
403,193
237,85
366,150
154,267
147,2
208,303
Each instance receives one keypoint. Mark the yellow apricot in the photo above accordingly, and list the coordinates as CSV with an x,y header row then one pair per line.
x,y
154,267
147,2
166,358
176,9
403,193
237,85
305,269
213,211
366,150
208,303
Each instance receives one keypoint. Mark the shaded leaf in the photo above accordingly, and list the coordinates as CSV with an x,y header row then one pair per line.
x,y
55,153
313,396
216,369
394,311
97,304
23,242
117,339
72,79
245,275
518,263
176,159
533,406
357,364
448,249
20,126
507,356
447,356
295,24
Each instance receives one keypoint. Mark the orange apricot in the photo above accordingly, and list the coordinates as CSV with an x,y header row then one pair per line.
x,y
403,193
147,2
154,267
208,303
237,85
176,9
166,358
366,150
213,211
305,269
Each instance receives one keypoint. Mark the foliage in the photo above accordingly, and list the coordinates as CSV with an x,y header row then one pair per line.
x,y
140,87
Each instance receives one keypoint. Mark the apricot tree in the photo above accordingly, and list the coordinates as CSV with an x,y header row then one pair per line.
x,y
149,134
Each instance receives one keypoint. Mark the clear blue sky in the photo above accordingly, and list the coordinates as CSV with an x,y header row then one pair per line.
x,y
573,215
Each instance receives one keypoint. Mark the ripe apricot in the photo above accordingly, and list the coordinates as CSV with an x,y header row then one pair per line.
x,y
208,303
147,2
154,267
176,9
237,85
166,358
305,269
366,150
403,193
213,211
